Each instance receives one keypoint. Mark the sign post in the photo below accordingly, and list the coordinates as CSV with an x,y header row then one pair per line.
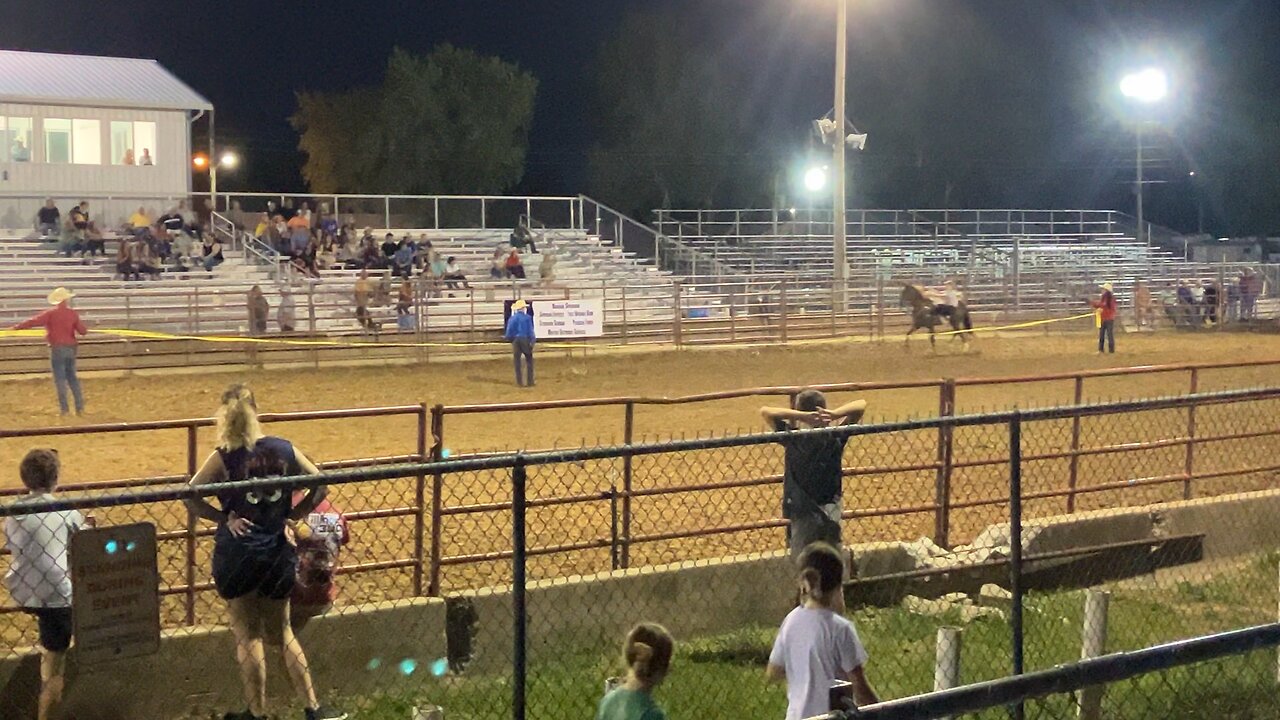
x,y
115,592
559,319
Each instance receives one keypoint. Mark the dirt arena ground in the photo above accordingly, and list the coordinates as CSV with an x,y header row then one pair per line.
x,y
133,455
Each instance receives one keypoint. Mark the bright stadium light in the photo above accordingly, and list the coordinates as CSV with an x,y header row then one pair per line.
x,y
200,162
229,160
1148,86
815,179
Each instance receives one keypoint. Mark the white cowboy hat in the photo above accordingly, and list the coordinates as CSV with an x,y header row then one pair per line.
x,y
60,295
1106,286
519,305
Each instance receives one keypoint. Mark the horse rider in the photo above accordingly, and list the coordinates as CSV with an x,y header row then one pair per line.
x,y
946,300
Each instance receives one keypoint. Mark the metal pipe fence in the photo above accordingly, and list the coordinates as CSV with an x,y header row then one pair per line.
x,y
521,544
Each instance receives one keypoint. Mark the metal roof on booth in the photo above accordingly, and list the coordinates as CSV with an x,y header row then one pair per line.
x,y
52,79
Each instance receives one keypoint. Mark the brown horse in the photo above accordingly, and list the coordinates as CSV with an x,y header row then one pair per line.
x,y
924,315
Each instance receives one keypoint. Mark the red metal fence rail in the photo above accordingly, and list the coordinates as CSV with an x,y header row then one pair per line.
x,y
430,514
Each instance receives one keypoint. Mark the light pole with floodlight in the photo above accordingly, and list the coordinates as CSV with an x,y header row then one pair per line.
x,y
841,276
1148,87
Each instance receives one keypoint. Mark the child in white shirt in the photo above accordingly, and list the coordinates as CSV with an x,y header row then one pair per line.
x,y
817,645
39,579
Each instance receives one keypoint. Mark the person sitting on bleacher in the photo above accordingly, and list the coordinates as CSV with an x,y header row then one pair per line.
x,y
498,265
389,247
72,240
172,222
522,237
143,259
139,221
124,262
212,254
454,275
370,257
48,219
514,265
402,260
299,234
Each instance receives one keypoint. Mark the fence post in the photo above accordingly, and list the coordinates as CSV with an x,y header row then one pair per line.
x,y
1093,644
1074,472
1015,548
624,313
386,211
628,434
942,483
437,505
782,309
192,527
520,617
1189,467
946,668
420,502
676,314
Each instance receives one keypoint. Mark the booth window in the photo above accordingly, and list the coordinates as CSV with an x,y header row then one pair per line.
x,y
15,139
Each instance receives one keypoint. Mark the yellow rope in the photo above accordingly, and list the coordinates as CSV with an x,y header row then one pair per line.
x,y
122,333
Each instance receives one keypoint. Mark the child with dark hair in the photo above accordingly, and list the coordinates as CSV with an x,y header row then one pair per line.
x,y
817,645
647,653
319,537
813,468
39,579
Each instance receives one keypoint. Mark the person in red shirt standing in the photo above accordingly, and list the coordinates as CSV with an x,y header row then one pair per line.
x,y
61,326
1106,307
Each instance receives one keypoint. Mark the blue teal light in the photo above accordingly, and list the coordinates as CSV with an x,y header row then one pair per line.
x,y
111,547
446,453
440,667
408,666
374,664
130,546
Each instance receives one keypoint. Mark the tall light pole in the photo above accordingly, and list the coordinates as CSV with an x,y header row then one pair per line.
x,y
1147,87
841,276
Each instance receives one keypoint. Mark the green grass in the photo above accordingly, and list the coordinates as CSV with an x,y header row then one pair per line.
x,y
722,675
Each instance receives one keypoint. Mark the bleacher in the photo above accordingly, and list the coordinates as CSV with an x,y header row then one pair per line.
x,y
1027,260
213,303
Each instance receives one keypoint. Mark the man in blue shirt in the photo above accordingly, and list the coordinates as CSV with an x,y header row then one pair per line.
x,y
520,335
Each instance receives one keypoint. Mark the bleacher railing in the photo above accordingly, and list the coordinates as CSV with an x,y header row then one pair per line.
x,y
438,212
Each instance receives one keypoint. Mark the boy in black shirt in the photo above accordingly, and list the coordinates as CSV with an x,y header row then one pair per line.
x,y
812,481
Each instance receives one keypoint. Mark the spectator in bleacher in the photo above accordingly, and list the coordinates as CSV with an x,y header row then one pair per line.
x,y
812,480
328,226
212,250
146,160
264,224
647,653
370,255
522,237
389,247
547,268
287,312
20,152
254,563
521,335
402,260
498,265
299,234
817,645
80,218
144,259
1186,304
438,267
139,221
514,265
305,212
259,309
327,255
1106,307
71,241
48,219
172,221
124,262
128,158
453,275
39,577
62,326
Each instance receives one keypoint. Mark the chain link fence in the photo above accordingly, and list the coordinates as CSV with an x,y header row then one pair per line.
x,y
500,585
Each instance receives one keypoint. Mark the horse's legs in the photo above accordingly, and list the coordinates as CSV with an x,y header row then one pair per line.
x,y
933,339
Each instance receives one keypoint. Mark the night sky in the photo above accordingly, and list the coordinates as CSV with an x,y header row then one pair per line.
x,y
1057,65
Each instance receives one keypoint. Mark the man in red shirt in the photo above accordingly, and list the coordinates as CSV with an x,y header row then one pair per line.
x,y
1106,307
61,326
